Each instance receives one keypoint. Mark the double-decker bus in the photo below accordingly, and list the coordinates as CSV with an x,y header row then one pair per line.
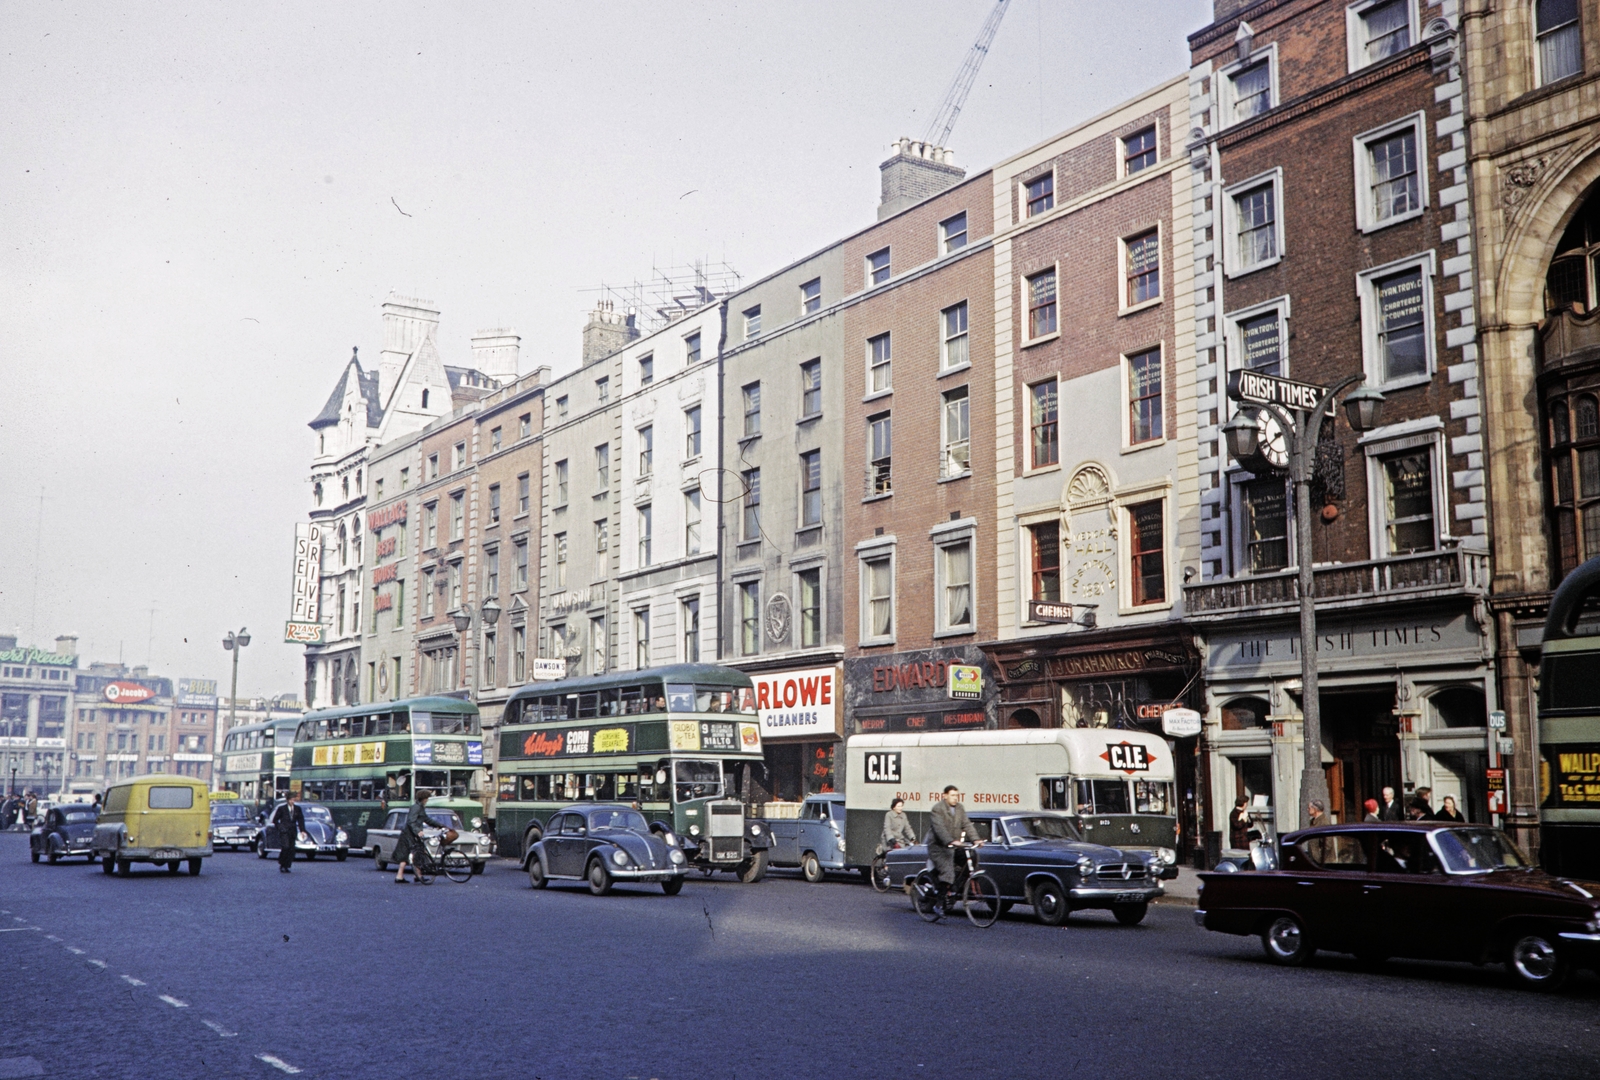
x,y
358,759
1569,728
256,759
677,741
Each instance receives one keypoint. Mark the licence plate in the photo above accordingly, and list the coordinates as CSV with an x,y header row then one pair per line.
x,y
167,853
1128,898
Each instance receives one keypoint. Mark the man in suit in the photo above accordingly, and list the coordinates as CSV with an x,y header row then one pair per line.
x,y
288,822
1391,809
949,826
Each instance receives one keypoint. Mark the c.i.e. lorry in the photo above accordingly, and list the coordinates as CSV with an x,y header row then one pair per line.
x,y
1117,784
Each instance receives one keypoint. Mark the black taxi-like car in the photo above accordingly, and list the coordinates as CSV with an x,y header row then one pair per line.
x,y
603,845
233,825
1042,860
322,836
64,830
1424,890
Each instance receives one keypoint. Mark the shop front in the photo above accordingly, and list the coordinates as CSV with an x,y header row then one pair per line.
x,y
920,690
801,725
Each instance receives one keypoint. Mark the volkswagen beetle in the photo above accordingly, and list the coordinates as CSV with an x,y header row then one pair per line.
x,y
604,845
322,836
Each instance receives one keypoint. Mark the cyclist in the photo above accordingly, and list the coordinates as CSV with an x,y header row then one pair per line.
x,y
949,828
410,848
896,828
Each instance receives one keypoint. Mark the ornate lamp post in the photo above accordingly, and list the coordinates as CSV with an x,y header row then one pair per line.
x,y
1277,429
462,617
234,643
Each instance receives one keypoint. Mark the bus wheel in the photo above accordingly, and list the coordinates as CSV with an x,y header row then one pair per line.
x,y
753,870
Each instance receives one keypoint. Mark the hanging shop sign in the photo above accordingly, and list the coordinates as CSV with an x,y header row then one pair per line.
x,y
791,703
547,670
966,682
1049,612
302,633
306,606
1180,723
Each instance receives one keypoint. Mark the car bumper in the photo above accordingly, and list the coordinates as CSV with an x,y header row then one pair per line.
x,y
324,849
1586,946
1084,895
636,874
156,854
1200,918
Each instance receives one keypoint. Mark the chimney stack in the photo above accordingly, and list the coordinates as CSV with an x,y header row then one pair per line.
x,y
495,352
606,332
67,645
917,171
407,323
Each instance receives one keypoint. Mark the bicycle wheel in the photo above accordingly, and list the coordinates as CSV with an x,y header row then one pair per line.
x,y
982,898
925,898
457,867
879,873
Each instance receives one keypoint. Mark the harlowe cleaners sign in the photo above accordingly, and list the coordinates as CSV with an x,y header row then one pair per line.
x,y
798,702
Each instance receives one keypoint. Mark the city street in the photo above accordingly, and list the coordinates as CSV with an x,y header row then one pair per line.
x,y
335,972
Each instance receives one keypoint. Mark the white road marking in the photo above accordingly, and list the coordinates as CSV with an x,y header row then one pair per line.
x,y
130,980
174,1002
219,1029
18,918
101,964
74,952
51,937
14,929
277,1063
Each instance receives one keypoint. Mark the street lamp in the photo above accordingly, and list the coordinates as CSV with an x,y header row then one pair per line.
x,y
462,617
234,643
1277,428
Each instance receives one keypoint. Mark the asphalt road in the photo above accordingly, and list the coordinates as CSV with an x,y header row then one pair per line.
x,y
335,972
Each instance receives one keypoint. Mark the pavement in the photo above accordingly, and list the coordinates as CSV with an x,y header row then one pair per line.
x,y
333,971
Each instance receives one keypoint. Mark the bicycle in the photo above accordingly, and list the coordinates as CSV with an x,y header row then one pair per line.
x,y
979,895
438,852
878,872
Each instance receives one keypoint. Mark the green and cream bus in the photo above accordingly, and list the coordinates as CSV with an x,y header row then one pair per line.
x,y
256,759
1569,728
678,741
360,759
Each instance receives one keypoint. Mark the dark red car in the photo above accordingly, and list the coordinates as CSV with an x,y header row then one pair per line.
x,y
1425,890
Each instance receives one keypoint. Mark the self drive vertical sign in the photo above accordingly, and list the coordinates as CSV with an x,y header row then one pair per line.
x,y
307,606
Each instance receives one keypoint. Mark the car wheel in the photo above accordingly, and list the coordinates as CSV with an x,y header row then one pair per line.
x,y
341,856
53,856
811,867
91,858
1129,914
33,853
378,859
536,878
599,877
311,856
673,885
1286,942
1536,964
124,867
194,867
1050,903
108,865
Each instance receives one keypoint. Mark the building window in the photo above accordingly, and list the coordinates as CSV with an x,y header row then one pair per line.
x,y
811,388
1575,478
455,586
602,467
954,568
1560,46
520,564
491,571
1139,151
880,447
525,425
647,450
561,407
1040,194
878,267
1045,540
602,388
953,233
427,594
691,522
1259,341
752,322
561,483
1409,517
691,630
430,526
691,439
1042,304
1143,267
810,608
560,544
953,323
458,457
1146,553
489,657
877,598
647,370
519,653
641,638
880,360
1257,230
1266,526
644,518
751,526
749,618
494,444
405,479
597,645
494,504
1382,29
1395,310
1144,397
691,344
457,515
811,297
752,410
602,534
1391,173
522,494
1046,443
1251,88
433,466
811,488
955,451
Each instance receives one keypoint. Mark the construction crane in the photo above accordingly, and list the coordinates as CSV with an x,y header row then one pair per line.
x,y
945,119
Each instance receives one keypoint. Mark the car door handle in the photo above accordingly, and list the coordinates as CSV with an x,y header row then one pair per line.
x,y
1371,888
1305,884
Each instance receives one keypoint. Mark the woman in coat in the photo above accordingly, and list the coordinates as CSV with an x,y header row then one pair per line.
x,y
409,848
896,828
1448,812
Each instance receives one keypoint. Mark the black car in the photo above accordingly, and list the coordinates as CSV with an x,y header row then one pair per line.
x,y
233,825
64,830
603,845
1042,860
322,836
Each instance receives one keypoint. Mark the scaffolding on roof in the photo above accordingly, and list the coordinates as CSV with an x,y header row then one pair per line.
x,y
670,293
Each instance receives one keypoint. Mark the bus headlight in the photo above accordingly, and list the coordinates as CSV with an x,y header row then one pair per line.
x,y
676,857
477,823
755,828
619,857
694,830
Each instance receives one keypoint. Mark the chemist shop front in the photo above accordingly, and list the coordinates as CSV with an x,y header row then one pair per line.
x,y
801,712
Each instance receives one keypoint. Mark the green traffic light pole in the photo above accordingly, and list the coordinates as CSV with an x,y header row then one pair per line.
x,y
1302,429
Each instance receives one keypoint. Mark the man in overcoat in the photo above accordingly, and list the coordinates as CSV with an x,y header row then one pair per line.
x,y
949,826
289,821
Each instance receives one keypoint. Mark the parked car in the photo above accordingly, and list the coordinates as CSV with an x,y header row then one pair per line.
x,y
234,826
1042,860
475,844
1424,890
814,841
322,836
603,845
64,830
157,819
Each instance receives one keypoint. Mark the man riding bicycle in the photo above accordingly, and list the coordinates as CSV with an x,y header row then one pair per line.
x,y
950,828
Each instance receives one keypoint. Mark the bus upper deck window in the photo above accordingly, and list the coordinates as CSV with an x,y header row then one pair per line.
x,y
589,705
680,697
402,724
611,702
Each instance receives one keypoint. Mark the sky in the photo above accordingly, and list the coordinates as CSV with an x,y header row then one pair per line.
x,y
206,205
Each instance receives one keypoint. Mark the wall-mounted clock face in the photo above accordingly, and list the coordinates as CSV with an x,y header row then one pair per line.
x,y
1274,443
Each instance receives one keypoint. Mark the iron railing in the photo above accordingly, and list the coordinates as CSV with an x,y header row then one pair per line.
x,y
1342,584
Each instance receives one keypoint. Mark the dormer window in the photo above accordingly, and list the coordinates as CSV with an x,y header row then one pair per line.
x,y
424,399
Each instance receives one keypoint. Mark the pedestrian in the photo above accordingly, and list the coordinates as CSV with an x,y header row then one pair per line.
x,y
410,848
1371,807
97,800
897,829
1449,812
1317,813
31,811
289,821
1421,808
1392,810
8,807
1239,824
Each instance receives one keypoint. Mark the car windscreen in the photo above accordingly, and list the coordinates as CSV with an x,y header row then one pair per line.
x,y
448,818
313,812
230,812
631,820
1041,828
1477,851
79,817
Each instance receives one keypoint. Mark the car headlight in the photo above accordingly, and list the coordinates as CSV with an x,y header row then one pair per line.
x,y
341,836
619,857
477,822
1168,856
1085,866
694,830
677,857
755,828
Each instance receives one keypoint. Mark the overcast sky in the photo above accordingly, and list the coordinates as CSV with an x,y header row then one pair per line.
x,y
203,212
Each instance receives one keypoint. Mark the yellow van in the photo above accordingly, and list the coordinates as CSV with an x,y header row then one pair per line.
x,y
154,819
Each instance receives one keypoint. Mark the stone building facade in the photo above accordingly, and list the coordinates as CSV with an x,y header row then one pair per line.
x,y
37,702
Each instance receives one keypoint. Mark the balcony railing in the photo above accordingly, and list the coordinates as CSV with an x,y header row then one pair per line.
x,y
1345,584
